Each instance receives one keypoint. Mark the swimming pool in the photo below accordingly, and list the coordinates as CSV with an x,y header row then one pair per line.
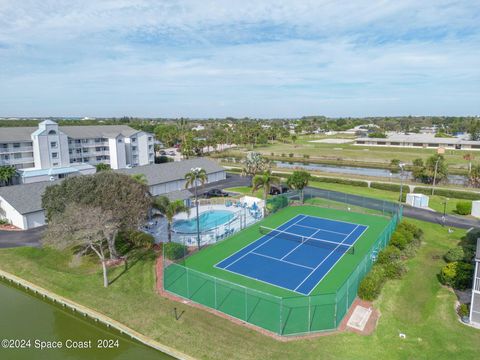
x,y
208,220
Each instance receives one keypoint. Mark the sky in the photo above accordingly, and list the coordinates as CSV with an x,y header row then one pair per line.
x,y
248,58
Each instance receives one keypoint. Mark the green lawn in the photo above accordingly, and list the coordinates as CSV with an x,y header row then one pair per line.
x,y
417,305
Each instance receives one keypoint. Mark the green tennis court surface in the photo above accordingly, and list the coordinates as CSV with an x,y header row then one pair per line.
x,y
278,309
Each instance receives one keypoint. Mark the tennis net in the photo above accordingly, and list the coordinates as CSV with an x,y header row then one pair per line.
x,y
325,244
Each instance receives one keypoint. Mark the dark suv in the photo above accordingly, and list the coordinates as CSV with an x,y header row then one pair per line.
x,y
215,193
278,189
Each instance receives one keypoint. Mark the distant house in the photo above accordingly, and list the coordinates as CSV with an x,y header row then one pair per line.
x,y
21,205
420,141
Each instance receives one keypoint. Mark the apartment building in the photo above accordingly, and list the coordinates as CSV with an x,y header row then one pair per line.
x,y
50,146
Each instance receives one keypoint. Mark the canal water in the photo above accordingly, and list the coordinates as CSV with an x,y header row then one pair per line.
x,y
355,170
26,317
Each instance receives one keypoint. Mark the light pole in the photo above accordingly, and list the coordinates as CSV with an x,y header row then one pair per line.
x,y
444,211
401,165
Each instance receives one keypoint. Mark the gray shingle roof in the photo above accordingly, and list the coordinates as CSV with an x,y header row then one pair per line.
x,y
178,195
162,173
14,134
25,198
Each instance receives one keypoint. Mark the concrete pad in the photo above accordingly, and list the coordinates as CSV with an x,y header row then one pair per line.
x,y
359,318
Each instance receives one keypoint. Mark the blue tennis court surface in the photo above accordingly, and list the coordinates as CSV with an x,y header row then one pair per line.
x,y
298,254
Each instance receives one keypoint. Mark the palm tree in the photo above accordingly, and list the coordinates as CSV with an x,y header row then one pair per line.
x,y
265,182
191,179
7,173
169,209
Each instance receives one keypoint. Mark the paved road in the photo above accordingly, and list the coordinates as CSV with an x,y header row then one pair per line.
x,y
21,238
232,180
437,218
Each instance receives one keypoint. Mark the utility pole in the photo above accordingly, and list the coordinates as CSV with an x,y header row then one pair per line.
x,y
435,175
401,165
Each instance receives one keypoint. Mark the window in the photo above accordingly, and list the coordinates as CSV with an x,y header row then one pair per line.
x,y
5,146
134,148
119,140
417,144
98,140
432,145
16,145
52,132
78,141
84,141
85,150
17,156
360,142
53,144
134,140
70,151
79,151
55,164
381,143
394,143
98,149
99,158
54,155
149,138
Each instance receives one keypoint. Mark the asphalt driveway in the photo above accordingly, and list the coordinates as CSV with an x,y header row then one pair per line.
x,y
21,238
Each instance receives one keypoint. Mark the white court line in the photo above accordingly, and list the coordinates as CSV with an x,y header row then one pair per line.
x,y
277,259
333,266
326,258
241,257
296,247
316,228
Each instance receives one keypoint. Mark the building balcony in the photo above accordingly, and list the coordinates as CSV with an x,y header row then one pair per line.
x,y
12,150
23,160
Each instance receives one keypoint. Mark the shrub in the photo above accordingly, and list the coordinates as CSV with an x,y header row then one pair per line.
x,y
276,203
136,238
455,254
457,274
398,240
174,251
340,181
290,155
414,229
395,163
283,155
407,234
306,156
371,284
466,195
272,154
387,187
389,254
463,310
394,269
4,222
464,207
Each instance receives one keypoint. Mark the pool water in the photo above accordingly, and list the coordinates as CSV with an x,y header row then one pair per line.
x,y
207,220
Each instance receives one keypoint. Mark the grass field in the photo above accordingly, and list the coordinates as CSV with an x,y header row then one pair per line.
x,y
372,154
417,305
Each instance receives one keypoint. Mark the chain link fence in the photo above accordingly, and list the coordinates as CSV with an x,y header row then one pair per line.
x,y
286,315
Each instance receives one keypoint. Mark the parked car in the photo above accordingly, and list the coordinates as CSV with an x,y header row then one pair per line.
x,y
163,152
277,190
215,193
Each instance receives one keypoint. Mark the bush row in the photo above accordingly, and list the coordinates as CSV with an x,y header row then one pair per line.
x,y
390,262
340,181
449,193
458,272
387,187
174,251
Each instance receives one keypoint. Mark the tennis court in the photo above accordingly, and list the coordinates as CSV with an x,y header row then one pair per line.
x,y
296,255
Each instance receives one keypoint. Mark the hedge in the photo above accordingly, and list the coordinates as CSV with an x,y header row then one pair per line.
x,y
372,284
457,274
467,195
340,181
464,207
174,251
387,187
455,254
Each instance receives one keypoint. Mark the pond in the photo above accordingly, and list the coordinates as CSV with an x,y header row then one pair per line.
x,y
357,170
24,315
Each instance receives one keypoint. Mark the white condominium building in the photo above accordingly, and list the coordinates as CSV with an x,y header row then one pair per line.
x,y
51,146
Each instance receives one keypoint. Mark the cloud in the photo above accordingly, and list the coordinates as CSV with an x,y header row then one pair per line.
x,y
241,58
